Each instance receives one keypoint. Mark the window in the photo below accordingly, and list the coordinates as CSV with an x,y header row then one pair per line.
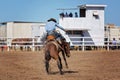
x,y
75,32
82,12
96,15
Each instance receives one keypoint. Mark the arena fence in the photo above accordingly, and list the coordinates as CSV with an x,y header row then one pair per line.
x,y
34,44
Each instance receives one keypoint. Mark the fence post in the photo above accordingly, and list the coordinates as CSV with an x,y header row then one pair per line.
x,y
33,44
83,44
8,42
108,45
8,48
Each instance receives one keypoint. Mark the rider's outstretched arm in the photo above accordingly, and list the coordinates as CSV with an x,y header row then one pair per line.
x,y
57,25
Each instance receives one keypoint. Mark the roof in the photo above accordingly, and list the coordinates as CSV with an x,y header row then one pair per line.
x,y
21,22
91,5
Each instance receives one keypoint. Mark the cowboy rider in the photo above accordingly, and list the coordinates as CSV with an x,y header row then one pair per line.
x,y
51,26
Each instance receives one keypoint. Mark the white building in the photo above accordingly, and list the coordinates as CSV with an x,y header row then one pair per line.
x,y
20,29
112,31
90,23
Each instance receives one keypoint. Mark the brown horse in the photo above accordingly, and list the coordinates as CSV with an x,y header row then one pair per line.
x,y
52,50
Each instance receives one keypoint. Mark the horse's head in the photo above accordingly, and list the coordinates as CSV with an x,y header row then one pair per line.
x,y
67,48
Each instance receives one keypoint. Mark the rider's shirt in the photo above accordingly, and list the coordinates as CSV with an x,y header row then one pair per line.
x,y
51,26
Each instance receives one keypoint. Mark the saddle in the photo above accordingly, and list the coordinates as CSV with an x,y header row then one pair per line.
x,y
53,38
50,37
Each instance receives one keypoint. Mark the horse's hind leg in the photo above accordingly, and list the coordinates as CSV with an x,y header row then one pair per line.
x,y
47,59
59,63
47,66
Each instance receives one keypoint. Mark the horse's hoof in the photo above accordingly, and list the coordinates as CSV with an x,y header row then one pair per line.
x,y
67,67
61,73
48,73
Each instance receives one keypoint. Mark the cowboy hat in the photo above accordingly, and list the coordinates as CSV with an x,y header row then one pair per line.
x,y
52,19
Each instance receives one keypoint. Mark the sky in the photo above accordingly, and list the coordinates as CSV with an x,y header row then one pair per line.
x,y
42,10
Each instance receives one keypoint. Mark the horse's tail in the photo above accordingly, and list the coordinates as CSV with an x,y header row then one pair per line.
x,y
47,55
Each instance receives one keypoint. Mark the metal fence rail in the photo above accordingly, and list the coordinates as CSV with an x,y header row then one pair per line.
x,y
82,43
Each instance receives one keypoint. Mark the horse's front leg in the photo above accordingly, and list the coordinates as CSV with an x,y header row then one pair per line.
x,y
63,54
59,63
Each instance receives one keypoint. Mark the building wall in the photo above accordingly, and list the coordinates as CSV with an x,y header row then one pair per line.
x,y
91,25
3,31
96,25
9,30
114,33
21,30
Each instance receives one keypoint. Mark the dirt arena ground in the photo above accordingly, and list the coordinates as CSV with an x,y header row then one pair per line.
x,y
88,65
